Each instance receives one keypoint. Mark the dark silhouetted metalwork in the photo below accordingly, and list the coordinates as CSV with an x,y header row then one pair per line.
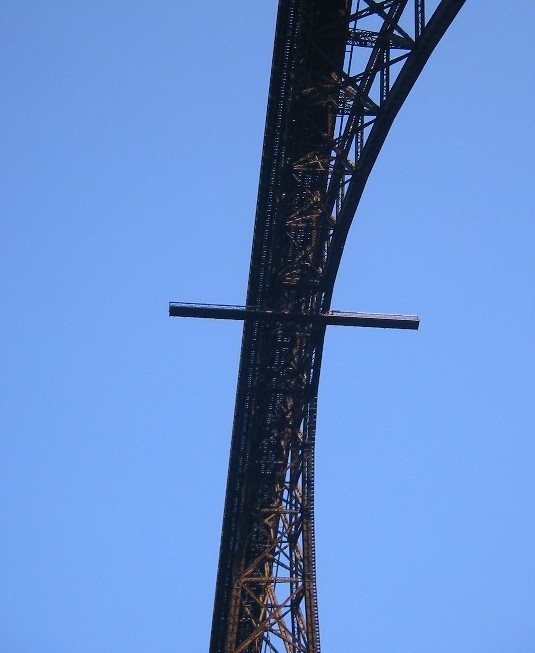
x,y
341,71
223,312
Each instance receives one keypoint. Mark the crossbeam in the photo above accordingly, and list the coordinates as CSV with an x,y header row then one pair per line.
x,y
226,312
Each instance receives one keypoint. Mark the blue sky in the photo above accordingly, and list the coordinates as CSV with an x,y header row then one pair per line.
x,y
131,138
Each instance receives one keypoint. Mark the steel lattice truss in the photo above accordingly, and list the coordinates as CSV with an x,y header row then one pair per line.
x,y
341,71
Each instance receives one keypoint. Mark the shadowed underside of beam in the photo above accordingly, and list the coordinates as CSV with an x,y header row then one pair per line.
x,y
337,318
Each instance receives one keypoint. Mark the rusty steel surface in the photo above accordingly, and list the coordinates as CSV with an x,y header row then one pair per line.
x,y
341,70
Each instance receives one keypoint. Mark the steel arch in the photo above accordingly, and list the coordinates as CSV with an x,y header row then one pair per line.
x,y
341,71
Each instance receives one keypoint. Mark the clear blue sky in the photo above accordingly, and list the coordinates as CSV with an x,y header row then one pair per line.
x,y
131,136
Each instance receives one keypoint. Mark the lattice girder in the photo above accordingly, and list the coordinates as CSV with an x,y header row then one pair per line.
x,y
341,70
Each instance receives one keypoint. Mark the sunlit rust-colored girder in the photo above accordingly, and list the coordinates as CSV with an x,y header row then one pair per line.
x,y
266,591
341,70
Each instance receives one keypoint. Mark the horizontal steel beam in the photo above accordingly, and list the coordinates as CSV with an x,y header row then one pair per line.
x,y
224,312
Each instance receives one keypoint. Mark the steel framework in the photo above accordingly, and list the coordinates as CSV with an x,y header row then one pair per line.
x,y
341,71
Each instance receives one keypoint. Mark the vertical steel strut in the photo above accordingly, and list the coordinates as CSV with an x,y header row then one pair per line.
x,y
341,70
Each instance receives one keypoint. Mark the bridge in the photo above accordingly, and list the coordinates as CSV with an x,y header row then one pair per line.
x,y
341,71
